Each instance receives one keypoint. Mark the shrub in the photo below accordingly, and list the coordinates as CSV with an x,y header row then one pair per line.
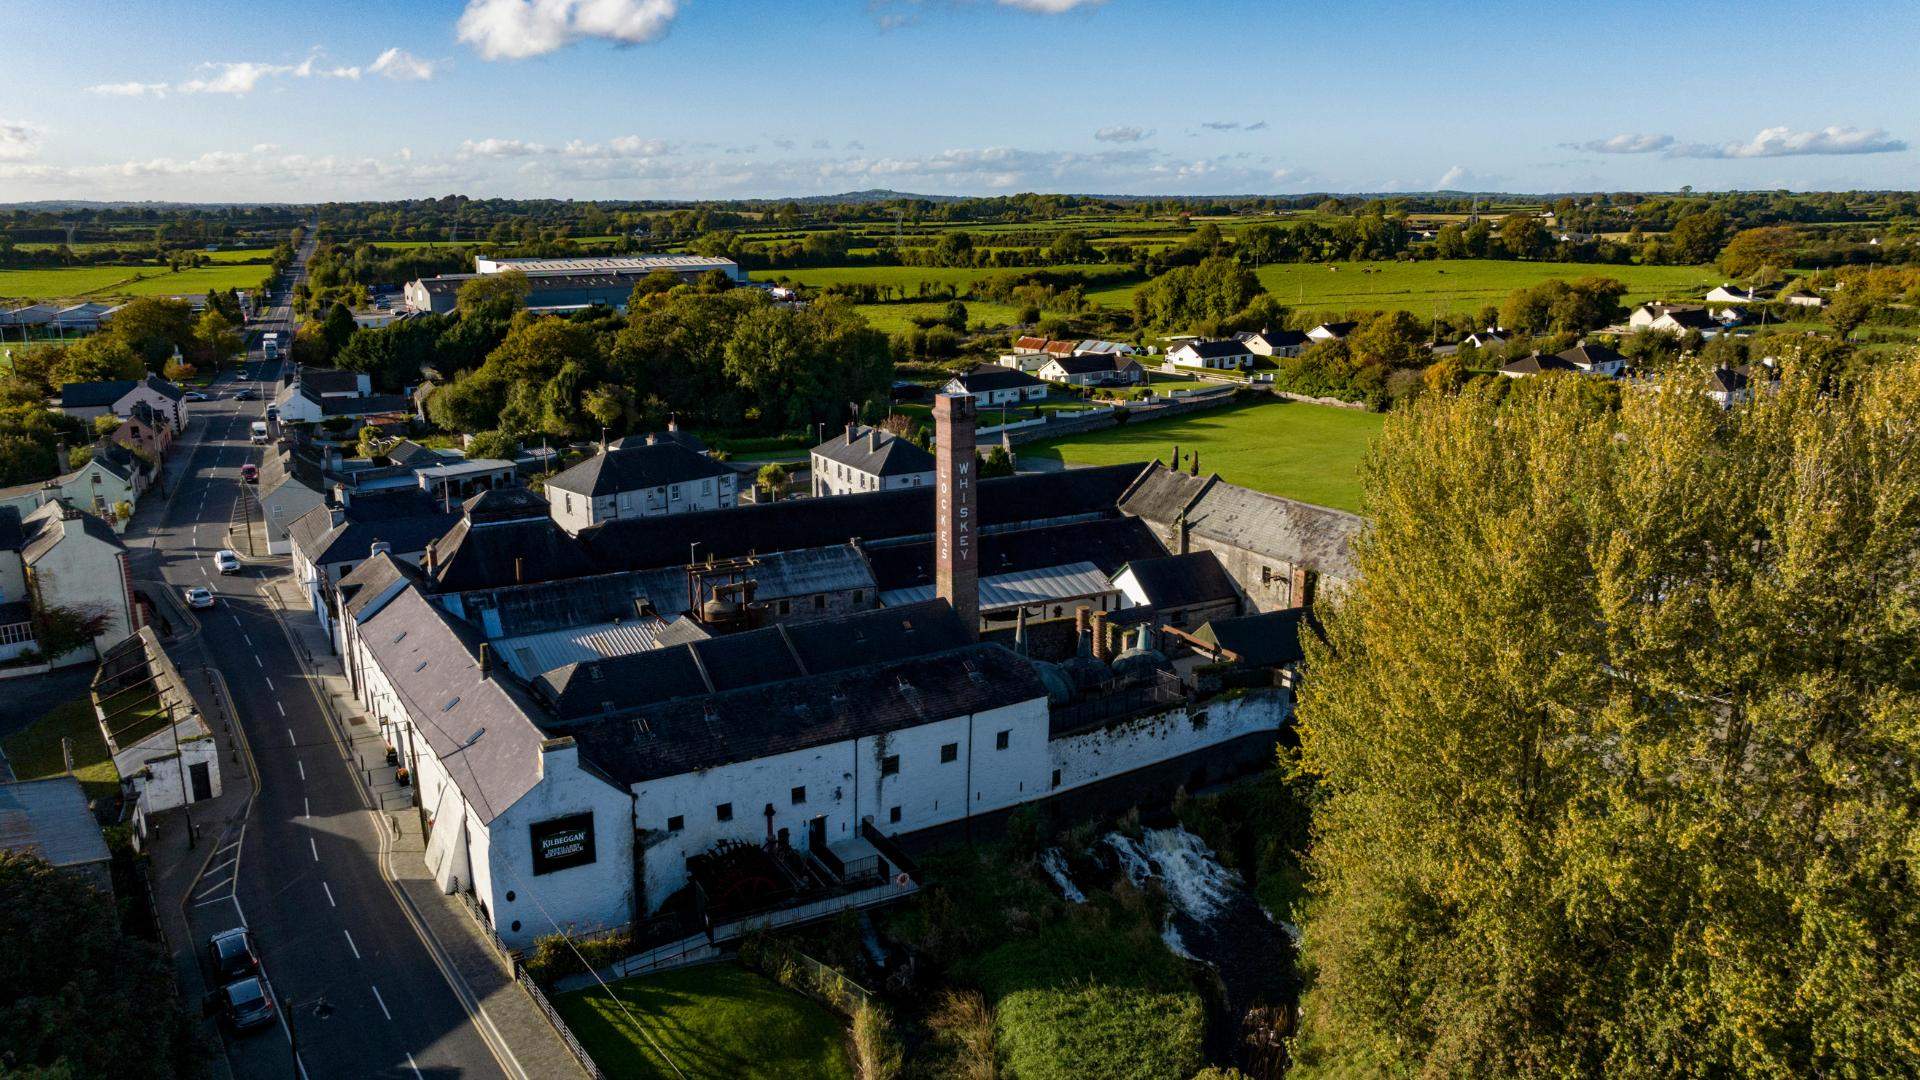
x,y
1100,1033
876,1046
553,959
962,1025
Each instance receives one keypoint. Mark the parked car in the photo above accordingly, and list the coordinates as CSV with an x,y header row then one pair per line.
x,y
245,1003
250,473
199,597
193,395
232,951
243,394
273,412
227,561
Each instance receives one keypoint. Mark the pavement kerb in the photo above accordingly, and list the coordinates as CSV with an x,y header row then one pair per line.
x,y
470,1001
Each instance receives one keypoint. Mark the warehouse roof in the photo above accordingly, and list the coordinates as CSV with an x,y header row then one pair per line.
x,y
1072,581
1294,532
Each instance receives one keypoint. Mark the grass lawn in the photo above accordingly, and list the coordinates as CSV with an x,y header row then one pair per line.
x,y
898,318
1451,285
106,282
1299,451
34,752
718,1021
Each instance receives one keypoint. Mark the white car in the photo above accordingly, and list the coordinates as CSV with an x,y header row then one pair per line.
x,y
226,561
199,597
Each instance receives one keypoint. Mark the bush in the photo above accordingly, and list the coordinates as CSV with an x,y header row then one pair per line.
x,y
876,1046
553,959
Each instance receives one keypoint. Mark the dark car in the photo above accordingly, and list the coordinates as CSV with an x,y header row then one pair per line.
x,y
243,395
245,1003
232,954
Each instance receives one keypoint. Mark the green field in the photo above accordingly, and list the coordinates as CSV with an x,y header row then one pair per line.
x,y
898,318
108,282
717,1021
910,277
1306,452
34,752
1459,285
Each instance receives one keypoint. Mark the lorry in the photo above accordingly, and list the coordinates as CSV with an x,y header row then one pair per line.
x,y
270,345
258,432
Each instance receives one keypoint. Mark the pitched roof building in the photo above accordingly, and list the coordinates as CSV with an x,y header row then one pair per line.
x,y
863,458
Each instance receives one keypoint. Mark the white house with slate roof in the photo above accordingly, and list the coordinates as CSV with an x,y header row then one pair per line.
x,y
1228,355
84,401
868,459
649,480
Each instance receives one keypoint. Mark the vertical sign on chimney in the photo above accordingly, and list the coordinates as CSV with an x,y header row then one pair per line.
x,y
956,540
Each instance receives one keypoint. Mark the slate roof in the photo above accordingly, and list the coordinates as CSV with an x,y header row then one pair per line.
x,y
1537,363
1087,364
1172,581
1268,639
674,737
481,728
1276,339
768,655
1283,529
370,405
635,468
95,395
1338,329
672,434
407,519
521,549
1205,349
50,818
1590,356
990,377
875,452
47,526
373,578
328,380
1727,380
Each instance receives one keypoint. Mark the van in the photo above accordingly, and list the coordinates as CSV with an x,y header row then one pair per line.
x,y
259,431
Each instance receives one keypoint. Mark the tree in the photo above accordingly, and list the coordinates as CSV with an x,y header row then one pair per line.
x,y
152,327
59,630
1696,237
1215,289
996,463
216,336
955,316
337,328
1847,309
1524,236
493,444
494,296
78,996
774,477
1753,251
373,442
1393,339
1450,242
1615,721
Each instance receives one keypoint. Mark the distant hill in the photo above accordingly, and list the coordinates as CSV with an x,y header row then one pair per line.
x,y
871,195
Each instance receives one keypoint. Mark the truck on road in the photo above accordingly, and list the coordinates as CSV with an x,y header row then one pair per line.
x,y
270,345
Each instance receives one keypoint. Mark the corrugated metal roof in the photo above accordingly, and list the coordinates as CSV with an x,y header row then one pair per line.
x,y
1001,591
532,655
49,818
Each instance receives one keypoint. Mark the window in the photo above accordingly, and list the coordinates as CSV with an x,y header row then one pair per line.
x,y
1002,740
859,595
676,823
1056,778
819,601
724,811
569,502
786,607
674,493
799,795
893,815
949,752
706,486
890,765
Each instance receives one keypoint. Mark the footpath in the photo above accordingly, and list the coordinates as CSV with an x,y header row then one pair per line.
x,y
475,964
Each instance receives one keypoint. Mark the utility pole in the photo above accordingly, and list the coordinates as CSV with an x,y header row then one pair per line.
x,y
186,795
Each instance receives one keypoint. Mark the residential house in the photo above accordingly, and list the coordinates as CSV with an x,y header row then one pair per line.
x,y
283,496
58,556
649,480
672,434
312,395
1673,319
161,746
110,481
1733,294
50,820
994,385
145,432
1093,369
1226,355
1730,386
328,541
1101,347
16,601
1583,359
1275,342
84,401
865,458
1333,331
1802,298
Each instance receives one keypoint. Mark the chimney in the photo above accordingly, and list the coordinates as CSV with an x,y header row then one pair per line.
x,y
341,495
1302,586
430,558
486,660
956,555
1102,644
673,422
519,569
1081,622
1183,530
853,432
1194,459
873,439
652,438
1175,463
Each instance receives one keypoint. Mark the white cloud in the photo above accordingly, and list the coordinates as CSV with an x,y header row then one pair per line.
x,y
401,65
129,89
1627,144
1461,178
310,68
237,78
500,148
1050,7
19,140
1785,142
517,29
1122,134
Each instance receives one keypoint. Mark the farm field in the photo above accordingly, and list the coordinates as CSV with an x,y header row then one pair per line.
x,y
103,282
717,1021
909,278
898,318
1457,285
1308,452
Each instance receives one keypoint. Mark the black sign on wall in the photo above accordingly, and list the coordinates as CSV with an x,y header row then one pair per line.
x,y
559,843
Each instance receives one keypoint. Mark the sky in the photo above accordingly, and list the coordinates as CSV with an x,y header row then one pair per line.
x,y
293,100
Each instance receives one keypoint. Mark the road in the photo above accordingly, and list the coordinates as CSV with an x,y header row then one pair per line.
x,y
363,995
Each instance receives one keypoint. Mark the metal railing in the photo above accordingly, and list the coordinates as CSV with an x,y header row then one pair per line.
x,y
559,1023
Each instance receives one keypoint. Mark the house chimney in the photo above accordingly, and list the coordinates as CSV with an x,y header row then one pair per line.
x,y
341,495
956,555
1183,531
673,422
1081,622
1302,586
853,432
1175,463
1194,460
1102,644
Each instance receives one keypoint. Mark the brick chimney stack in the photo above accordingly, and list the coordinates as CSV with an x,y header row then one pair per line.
x,y
956,539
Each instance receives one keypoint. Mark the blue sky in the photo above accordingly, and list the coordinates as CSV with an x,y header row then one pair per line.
x,y
720,98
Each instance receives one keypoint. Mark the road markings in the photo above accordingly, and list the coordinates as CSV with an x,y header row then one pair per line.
x,y
290,739
381,1000
269,679
258,664
351,945
282,708
303,770
315,848
306,809
329,891
248,638
415,1068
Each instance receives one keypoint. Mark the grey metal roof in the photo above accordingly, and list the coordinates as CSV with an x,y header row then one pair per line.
x,y
49,818
1001,591
532,655
1294,532
641,264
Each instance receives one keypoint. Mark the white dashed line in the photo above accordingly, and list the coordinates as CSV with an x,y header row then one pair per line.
x,y
303,771
351,945
381,1000
248,638
315,848
282,708
415,1068
306,810
269,679
258,664
329,892
291,741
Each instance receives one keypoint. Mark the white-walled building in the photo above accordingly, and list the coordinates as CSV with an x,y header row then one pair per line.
x,y
996,385
1228,355
865,458
161,746
60,557
648,480
84,401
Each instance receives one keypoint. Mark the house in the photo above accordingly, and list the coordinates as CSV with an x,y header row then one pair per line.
x,y
652,479
1672,318
672,434
1733,294
161,746
1483,339
1802,298
1730,386
144,431
50,820
1183,590
283,496
84,401
110,481
1227,355
1275,342
865,458
1582,359
312,395
1333,331
59,557
1029,362
1101,347
1093,369
328,541
995,385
